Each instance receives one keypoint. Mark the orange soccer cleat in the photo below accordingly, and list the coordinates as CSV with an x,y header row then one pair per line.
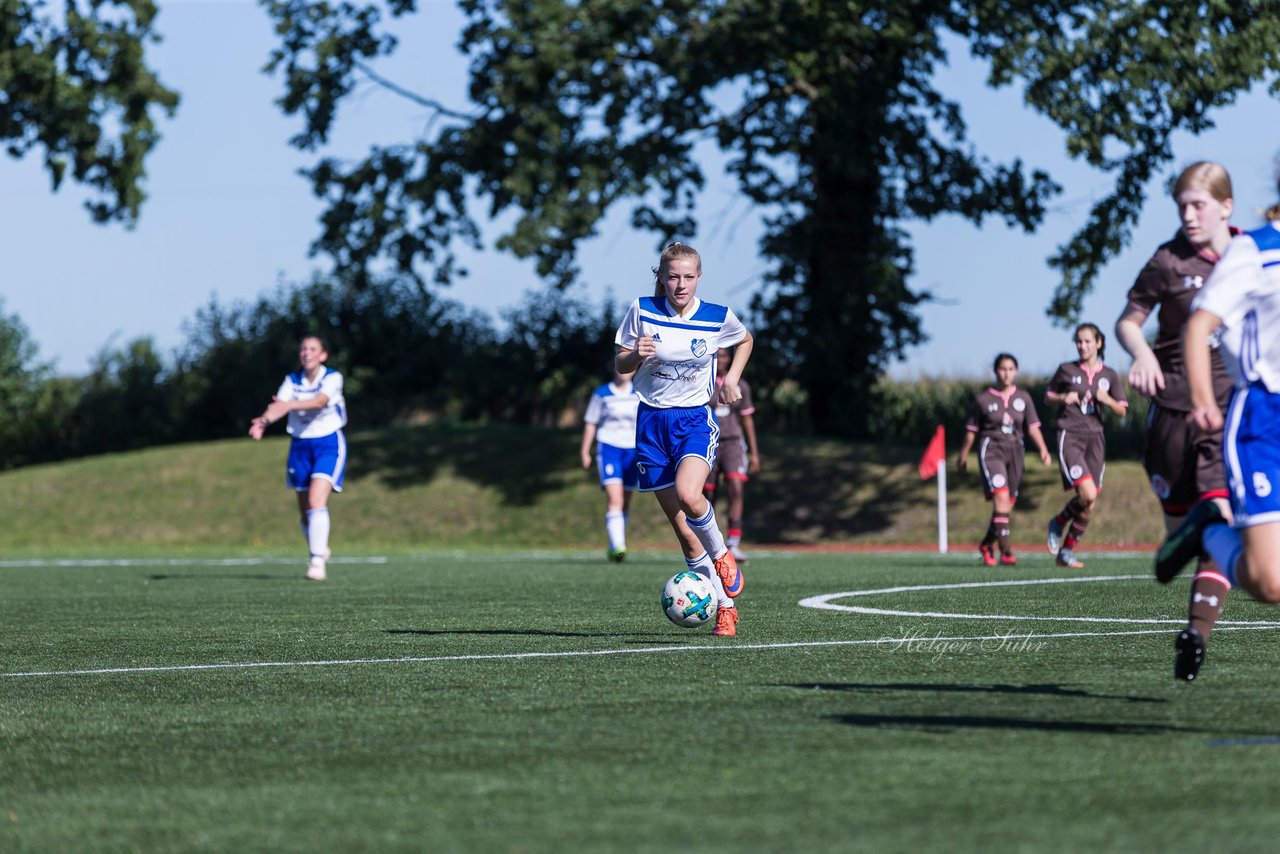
x,y
730,575
726,622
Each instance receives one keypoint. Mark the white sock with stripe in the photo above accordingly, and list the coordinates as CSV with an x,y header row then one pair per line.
x,y
708,532
704,567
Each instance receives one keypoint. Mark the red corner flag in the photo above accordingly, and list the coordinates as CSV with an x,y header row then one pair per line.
x,y
934,455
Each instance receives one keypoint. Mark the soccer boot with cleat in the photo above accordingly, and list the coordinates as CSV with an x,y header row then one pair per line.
x,y
1008,559
1054,539
1067,558
1188,654
730,576
987,556
726,623
316,569
616,555
1183,545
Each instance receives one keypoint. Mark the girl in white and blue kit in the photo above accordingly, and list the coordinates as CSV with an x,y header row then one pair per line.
x,y
312,400
610,422
670,341
1242,296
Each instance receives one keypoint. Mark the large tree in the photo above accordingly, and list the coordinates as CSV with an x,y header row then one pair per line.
x,y
75,86
829,114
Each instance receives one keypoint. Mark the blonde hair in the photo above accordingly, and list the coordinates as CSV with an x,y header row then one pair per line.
x,y
674,251
1204,175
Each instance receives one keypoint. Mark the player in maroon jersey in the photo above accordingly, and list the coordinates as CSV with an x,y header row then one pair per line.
x,y
738,456
1078,389
999,417
1183,461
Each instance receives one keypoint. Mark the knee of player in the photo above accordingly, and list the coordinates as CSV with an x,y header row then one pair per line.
x,y
1261,578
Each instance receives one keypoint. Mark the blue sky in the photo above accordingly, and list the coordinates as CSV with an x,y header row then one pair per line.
x,y
229,216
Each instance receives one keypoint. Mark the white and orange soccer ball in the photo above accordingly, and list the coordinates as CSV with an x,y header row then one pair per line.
x,y
689,600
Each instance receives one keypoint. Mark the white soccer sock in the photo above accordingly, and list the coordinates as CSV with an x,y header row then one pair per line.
x,y
707,532
318,531
615,525
703,566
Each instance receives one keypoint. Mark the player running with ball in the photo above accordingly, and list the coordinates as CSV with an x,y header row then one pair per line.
x,y
670,341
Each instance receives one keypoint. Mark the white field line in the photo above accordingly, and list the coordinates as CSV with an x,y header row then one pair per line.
x,y
812,602
887,642
823,602
37,563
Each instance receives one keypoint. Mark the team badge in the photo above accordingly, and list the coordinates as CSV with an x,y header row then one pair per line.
x,y
1019,405
699,347
1104,384
1160,487
997,480
1075,472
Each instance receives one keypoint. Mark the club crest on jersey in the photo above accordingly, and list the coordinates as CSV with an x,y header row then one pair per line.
x,y
1018,405
699,347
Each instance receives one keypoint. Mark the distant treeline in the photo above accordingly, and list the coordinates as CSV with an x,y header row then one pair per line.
x,y
408,355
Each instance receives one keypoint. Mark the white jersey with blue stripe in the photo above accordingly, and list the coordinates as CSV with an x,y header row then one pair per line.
x,y
1244,291
312,423
683,372
613,410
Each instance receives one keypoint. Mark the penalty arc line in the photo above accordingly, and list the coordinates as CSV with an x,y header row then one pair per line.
x,y
887,642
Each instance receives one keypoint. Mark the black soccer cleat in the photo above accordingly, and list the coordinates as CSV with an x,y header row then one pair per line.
x,y
1188,655
1183,545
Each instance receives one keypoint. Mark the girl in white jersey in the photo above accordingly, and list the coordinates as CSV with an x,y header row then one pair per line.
x,y
670,341
312,400
610,422
1242,297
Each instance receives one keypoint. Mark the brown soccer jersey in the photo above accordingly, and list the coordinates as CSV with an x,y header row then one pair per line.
x,y
1171,280
1084,415
1002,416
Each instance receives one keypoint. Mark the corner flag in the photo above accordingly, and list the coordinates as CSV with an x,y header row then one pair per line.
x,y
934,462
934,455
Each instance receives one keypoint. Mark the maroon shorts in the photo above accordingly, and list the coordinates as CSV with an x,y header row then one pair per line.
x,y
1184,462
731,462
1001,466
1081,456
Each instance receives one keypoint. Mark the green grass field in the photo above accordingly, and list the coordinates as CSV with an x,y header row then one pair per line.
x,y
539,702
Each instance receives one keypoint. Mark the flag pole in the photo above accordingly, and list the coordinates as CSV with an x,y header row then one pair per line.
x,y
942,507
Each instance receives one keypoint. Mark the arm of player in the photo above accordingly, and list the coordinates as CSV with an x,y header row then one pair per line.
x,y
1037,438
588,436
1195,348
627,361
729,391
753,449
962,461
1144,374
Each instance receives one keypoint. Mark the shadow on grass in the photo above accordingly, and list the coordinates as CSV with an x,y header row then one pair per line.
x,y
517,633
522,463
256,576
951,723
1045,689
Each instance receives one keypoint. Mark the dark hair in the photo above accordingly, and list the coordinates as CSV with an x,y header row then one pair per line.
x,y
995,366
672,252
1097,334
324,345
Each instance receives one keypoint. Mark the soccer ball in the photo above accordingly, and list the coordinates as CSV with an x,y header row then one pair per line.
x,y
689,600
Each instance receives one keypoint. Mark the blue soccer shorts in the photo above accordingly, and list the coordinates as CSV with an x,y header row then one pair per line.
x,y
1251,445
323,457
617,465
664,437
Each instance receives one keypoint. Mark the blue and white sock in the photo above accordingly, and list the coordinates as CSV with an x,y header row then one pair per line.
x,y
708,532
1223,544
318,531
703,566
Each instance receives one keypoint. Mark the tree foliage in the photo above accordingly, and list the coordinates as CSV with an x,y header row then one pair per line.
x,y
75,86
827,110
